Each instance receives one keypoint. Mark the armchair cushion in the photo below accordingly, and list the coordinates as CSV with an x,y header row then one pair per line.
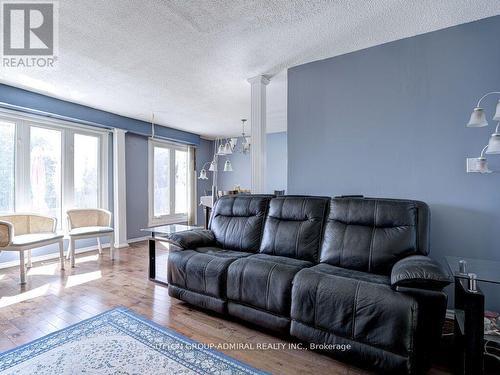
x,y
90,230
192,239
419,271
32,239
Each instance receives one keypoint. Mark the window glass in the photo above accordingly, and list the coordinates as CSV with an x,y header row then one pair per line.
x,y
181,181
86,171
161,181
7,149
45,171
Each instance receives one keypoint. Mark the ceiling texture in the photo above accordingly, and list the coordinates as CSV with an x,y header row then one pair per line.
x,y
188,60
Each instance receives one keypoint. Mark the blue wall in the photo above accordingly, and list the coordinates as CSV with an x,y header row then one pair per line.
x,y
276,167
389,121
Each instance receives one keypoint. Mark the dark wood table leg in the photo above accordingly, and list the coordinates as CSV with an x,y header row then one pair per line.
x,y
469,328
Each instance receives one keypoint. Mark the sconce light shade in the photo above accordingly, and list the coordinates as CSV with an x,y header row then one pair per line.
x,y
477,119
227,166
482,165
494,144
246,145
221,150
213,167
203,175
497,113
228,149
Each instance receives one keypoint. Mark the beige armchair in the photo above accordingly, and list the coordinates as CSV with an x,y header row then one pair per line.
x,y
24,232
89,223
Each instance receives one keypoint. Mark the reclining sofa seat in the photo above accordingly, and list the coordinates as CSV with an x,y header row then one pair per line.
x,y
259,287
347,271
374,289
197,274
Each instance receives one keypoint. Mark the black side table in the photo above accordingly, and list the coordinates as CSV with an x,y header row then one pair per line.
x,y
160,233
469,310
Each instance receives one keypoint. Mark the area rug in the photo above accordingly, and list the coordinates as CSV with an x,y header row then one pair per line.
x,y
117,342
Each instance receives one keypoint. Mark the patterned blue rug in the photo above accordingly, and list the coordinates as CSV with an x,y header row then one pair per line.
x,y
117,342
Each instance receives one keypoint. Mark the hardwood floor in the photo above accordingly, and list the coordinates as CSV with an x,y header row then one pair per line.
x,y
52,300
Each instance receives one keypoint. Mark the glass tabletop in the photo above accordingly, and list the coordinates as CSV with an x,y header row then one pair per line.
x,y
485,270
170,229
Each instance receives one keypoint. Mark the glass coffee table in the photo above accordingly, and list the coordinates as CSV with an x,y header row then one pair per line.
x,y
469,310
160,233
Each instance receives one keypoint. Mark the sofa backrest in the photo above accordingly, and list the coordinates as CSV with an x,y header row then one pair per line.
x,y
371,234
294,226
237,221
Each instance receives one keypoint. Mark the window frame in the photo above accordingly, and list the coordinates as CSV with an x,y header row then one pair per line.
x,y
172,218
23,124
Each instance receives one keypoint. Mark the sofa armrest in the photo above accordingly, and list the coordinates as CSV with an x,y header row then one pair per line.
x,y
192,239
419,271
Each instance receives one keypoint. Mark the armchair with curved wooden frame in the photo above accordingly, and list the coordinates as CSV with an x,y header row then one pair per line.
x,y
24,232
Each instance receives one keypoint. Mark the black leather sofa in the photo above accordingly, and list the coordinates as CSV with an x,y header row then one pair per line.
x,y
351,271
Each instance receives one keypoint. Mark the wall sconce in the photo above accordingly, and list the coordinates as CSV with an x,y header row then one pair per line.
x,y
478,165
203,175
227,166
494,143
478,120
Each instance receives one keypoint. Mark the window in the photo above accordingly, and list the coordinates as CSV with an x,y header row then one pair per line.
x,y
168,183
8,139
49,166
86,171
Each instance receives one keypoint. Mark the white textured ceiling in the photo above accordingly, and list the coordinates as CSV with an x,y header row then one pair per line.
x,y
189,60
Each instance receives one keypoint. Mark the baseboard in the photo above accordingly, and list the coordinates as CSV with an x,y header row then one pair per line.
x,y
55,255
138,239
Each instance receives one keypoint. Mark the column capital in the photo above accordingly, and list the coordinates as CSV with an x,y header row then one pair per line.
x,y
258,79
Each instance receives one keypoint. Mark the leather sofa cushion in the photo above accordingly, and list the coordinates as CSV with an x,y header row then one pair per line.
x,y
191,239
294,227
369,312
419,271
237,221
263,281
203,270
371,235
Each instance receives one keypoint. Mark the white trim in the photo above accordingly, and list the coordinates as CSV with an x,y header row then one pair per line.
x,y
258,132
26,116
119,189
138,239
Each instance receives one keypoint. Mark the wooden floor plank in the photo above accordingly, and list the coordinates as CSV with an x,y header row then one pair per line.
x,y
54,299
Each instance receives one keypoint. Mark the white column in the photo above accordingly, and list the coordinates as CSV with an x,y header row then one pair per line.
x,y
119,189
258,132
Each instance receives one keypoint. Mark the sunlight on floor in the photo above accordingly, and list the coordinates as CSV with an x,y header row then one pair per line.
x,y
74,280
89,258
30,294
48,269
